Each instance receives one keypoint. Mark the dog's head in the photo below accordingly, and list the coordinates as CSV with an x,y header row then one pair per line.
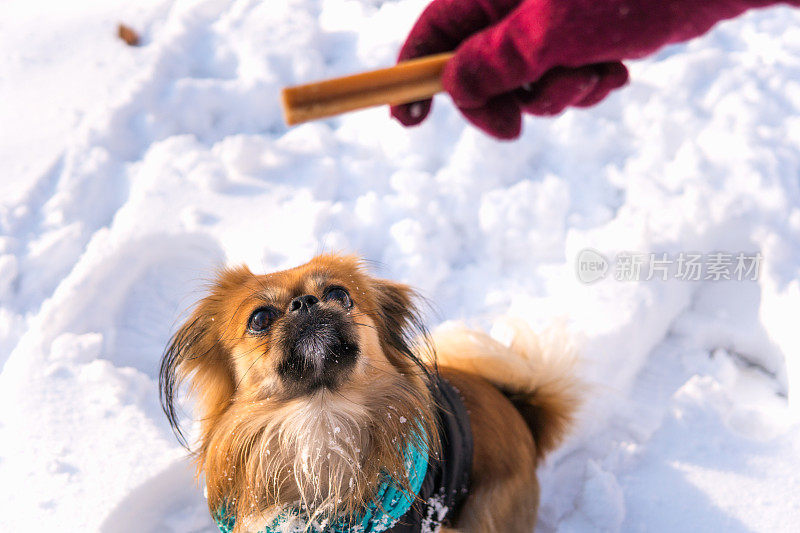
x,y
288,366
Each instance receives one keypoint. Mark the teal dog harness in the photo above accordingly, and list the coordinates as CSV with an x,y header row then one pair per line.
x,y
390,503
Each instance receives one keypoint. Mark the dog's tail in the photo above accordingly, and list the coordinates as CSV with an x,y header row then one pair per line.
x,y
536,372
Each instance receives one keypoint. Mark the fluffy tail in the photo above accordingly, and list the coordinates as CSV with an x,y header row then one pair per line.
x,y
536,372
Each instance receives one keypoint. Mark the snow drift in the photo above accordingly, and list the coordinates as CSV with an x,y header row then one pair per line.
x,y
129,174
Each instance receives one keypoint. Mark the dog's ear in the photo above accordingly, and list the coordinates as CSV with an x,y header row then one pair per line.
x,y
196,353
399,321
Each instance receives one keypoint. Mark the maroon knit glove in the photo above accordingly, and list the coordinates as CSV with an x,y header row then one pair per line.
x,y
542,56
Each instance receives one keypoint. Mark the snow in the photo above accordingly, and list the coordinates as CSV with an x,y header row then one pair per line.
x,y
129,174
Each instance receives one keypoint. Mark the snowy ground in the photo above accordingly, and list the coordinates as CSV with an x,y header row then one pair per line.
x,y
128,174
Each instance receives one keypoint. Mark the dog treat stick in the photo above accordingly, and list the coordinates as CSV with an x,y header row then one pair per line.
x,y
405,82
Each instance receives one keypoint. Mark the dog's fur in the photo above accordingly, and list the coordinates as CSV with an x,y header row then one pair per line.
x,y
316,408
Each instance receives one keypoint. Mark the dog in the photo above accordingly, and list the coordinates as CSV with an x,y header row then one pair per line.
x,y
326,406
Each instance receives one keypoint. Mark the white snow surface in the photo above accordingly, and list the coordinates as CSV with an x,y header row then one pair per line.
x,y
128,174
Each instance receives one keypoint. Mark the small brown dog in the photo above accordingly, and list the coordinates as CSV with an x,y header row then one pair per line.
x,y
323,407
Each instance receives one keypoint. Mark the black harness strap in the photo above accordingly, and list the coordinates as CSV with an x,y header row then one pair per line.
x,y
446,482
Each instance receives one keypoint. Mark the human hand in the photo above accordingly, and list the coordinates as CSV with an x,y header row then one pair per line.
x,y
542,56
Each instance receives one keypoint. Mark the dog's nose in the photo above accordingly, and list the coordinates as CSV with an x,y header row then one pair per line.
x,y
302,304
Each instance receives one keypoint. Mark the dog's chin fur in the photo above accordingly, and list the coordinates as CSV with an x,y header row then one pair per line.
x,y
326,450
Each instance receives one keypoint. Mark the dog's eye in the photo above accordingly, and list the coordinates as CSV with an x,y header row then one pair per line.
x,y
261,319
340,295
